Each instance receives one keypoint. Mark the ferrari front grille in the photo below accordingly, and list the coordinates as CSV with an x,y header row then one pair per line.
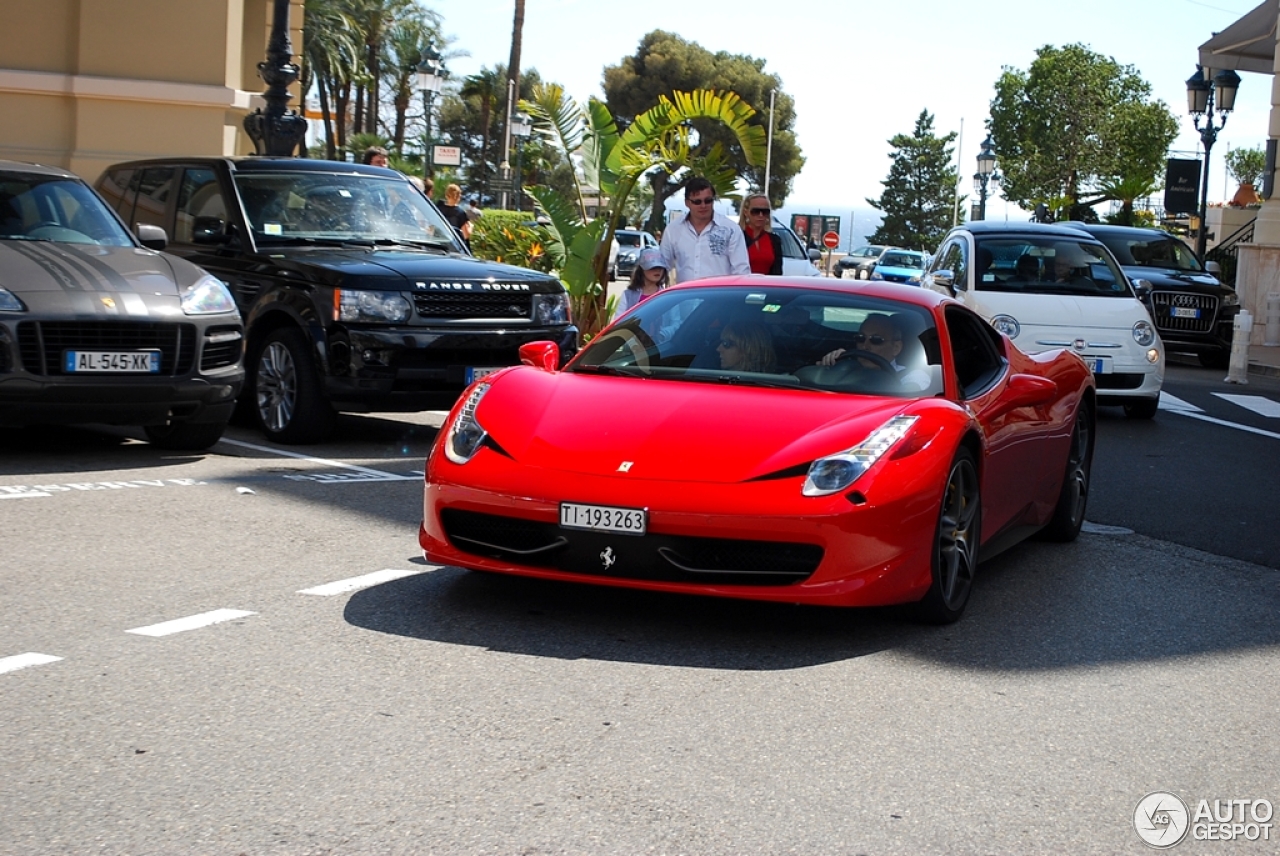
x,y
652,557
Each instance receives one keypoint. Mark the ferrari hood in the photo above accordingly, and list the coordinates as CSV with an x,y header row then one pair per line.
x,y
85,280
671,430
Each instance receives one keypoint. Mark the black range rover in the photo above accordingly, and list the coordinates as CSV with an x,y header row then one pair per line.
x,y
1191,309
356,293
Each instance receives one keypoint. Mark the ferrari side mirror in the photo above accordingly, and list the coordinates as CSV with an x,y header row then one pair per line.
x,y
540,355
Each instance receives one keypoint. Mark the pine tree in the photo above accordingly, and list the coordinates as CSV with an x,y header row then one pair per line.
x,y
920,190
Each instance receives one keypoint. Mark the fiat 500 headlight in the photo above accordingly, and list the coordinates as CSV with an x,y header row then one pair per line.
x,y
466,434
551,308
1143,333
1007,324
373,306
208,296
835,473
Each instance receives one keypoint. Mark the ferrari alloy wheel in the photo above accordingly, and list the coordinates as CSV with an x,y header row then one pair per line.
x,y
287,390
1068,516
955,549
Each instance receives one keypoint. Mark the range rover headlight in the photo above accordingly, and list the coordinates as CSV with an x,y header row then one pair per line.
x,y
9,302
466,434
372,306
208,296
835,473
1007,324
1143,333
551,308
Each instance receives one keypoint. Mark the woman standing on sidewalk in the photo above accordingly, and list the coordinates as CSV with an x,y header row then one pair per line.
x,y
764,249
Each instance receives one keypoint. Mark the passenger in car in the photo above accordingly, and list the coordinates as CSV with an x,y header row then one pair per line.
x,y
745,346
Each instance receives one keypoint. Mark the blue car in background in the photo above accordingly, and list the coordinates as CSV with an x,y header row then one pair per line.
x,y
900,266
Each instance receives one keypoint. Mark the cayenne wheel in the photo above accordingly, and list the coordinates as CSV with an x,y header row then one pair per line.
x,y
185,436
955,548
1068,516
1142,408
287,390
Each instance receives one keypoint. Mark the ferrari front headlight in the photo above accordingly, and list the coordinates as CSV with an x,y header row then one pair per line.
x,y
466,434
207,297
835,473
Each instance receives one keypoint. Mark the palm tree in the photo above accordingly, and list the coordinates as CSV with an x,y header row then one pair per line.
x,y
328,55
485,88
405,41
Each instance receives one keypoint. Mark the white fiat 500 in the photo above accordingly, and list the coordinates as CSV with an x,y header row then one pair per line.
x,y
1053,286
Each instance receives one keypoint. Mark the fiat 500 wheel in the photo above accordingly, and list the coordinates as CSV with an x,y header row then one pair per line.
x,y
287,390
955,546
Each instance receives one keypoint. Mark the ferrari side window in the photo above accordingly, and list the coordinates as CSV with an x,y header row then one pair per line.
x,y
978,361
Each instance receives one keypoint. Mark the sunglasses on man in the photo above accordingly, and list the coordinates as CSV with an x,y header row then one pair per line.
x,y
702,200
860,338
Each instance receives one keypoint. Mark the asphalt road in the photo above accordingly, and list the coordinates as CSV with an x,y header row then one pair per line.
x,y
354,699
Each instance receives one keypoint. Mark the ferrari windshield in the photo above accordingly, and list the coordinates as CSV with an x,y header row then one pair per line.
x,y
1049,265
1161,251
307,207
830,340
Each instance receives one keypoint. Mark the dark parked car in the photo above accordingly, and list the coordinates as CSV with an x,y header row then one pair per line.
x,y
859,263
1191,309
356,294
96,326
630,243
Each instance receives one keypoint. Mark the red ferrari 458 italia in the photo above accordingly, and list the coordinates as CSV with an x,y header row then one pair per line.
x,y
797,440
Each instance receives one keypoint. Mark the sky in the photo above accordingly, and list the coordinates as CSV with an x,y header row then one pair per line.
x,y
860,72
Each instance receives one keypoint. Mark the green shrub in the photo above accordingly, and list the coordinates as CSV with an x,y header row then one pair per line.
x,y
512,237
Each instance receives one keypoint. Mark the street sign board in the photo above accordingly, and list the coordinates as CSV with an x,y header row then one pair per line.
x,y
1181,181
831,240
446,155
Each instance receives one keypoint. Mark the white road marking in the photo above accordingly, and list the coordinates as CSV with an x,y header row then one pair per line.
x,y
22,491
191,622
1258,404
372,474
22,661
1104,529
343,586
1172,402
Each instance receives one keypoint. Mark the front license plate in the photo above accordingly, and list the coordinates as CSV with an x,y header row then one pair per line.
x,y
474,373
1101,365
111,362
1184,312
603,518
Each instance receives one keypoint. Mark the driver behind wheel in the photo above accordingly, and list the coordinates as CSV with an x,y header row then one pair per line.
x,y
880,337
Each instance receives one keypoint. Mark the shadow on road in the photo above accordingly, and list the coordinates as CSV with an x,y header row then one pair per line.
x,y
1104,599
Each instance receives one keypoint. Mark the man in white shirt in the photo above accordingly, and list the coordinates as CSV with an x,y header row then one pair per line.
x,y
704,243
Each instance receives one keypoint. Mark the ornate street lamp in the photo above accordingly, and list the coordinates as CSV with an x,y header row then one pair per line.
x,y
986,171
1201,101
521,128
431,76
277,131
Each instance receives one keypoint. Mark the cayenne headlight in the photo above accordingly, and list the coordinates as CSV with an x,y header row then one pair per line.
x,y
9,302
466,434
375,306
835,473
207,297
1143,333
551,308
1007,324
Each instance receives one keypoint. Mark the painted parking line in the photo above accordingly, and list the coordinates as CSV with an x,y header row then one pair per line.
x,y
343,586
355,472
22,661
1173,404
191,622
1259,404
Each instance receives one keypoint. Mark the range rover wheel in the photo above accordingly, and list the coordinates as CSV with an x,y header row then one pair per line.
x,y
287,390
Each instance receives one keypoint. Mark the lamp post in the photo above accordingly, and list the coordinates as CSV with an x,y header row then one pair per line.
x,y
1202,98
521,128
431,75
504,168
277,132
986,171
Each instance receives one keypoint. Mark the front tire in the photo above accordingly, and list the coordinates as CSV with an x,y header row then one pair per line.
x,y
955,543
1068,516
1142,408
288,392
